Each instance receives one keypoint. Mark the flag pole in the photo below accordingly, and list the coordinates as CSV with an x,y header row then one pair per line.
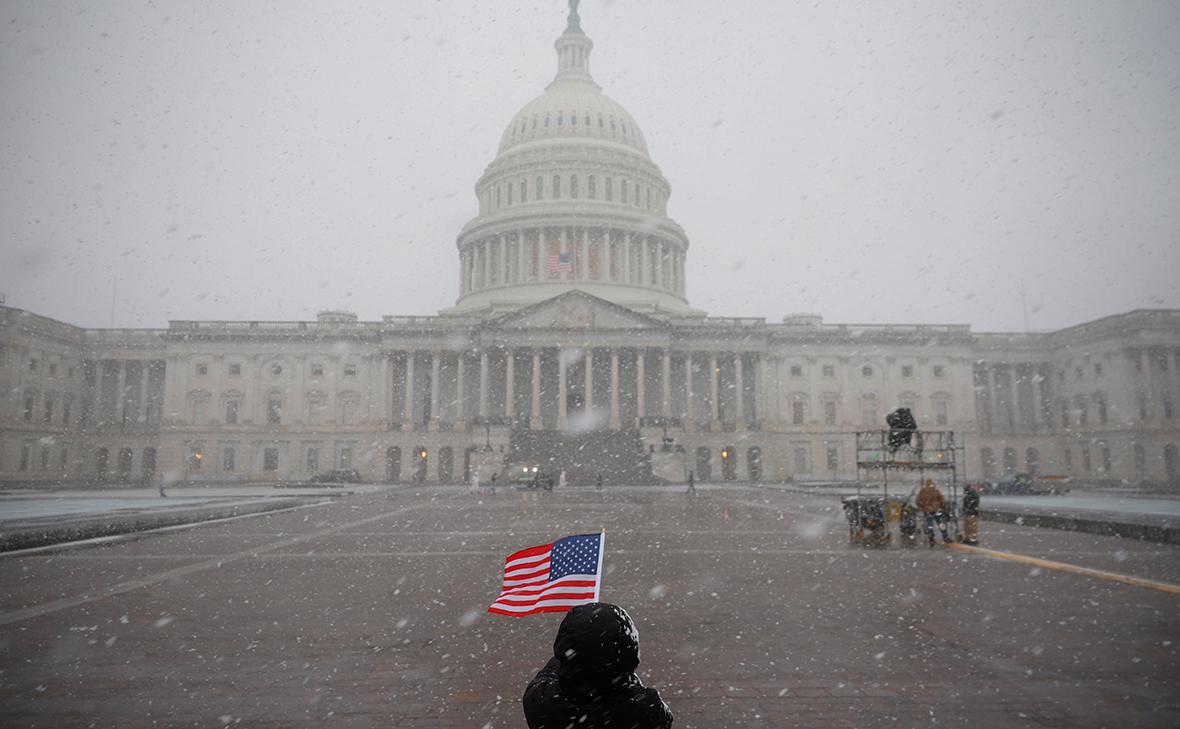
x,y
601,552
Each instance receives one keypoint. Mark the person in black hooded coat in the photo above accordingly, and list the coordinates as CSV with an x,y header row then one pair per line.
x,y
591,681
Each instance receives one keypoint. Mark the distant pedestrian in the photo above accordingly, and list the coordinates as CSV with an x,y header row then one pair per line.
x,y
475,481
692,483
561,482
493,484
931,502
971,514
162,494
590,681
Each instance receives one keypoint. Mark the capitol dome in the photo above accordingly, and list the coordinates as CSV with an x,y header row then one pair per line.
x,y
572,201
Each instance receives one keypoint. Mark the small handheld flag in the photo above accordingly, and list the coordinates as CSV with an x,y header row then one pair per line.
x,y
551,578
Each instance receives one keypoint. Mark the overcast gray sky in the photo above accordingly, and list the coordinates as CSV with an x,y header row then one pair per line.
x,y
870,162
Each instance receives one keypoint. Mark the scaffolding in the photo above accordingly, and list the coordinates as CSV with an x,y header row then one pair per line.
x,y
884,452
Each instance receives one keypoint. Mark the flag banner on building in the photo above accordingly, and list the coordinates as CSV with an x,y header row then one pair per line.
x,y
558,262
551,578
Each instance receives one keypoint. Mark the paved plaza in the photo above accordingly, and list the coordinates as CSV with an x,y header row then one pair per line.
x,y
369,611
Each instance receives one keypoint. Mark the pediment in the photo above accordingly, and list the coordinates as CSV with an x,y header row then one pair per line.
x,y
576,310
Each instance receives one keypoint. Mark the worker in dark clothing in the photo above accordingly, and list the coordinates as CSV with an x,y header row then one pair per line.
x,y
591,681
971,514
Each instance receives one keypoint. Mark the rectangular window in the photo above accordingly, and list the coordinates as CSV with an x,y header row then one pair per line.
x,y
65,411
350,370
829,371
830,412
1086,466
231,412
1098,369
939,371
801,460
907,371
317,370
235,370
202,369
833,460
1167,408
608,189
346,458
30,402
199,411
347,411
274,408
47,415
941,414
796,370
797,412
24,458
33,365
270,459
53,368
63,458
228,458
44,459
313,460
1106,464
1068,459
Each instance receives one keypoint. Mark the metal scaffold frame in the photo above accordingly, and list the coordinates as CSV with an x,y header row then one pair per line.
x,y
937,451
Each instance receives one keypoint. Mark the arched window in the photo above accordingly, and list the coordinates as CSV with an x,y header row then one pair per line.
x,y
607,191
540,191
573,118
524,191
623,191
592,187
509,186
574,186
556,186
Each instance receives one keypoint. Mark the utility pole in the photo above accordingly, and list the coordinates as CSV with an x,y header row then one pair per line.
x,y
1024,305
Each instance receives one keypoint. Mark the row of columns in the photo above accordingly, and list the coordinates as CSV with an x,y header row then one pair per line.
x,y
535,420
642,260
1011,410
120,415
1169,389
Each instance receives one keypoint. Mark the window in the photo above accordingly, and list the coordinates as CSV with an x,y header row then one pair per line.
x,y
796,370
33,365
829,412
592,187
66,405
313,460
1077,371
833,459
1068,454
30,406
70,372
524,191
348,410
509,186
317,370
276,370
622,191
797,412
346,458
235,370
195,456
47,410
540,189
1106,462
801,460
1100,405
939,371
202,369
53,368
556,186
1086,466
24,458
316,404
608,189
574,186
866,371
350,370
199,409
907,371
44,459
270,459
227,460
231,412
829,371
274,408
560,118
1097,369
1142,407
63,458
868,406
1167,409
941,412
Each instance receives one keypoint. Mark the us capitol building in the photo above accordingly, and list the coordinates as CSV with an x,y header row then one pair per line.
x,y
572,343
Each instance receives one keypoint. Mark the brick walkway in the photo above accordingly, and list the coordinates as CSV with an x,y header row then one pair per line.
x,y
369,612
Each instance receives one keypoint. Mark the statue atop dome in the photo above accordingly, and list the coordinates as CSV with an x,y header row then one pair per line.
x,y
575,21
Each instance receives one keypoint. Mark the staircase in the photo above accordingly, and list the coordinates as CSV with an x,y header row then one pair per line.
x,y
617,455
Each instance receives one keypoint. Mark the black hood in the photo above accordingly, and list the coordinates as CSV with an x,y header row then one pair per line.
x,y
597,646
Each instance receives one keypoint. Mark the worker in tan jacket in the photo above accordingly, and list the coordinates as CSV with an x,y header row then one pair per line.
x,y
932,505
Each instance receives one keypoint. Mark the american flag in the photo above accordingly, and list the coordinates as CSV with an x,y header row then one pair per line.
x,y
551,578
555,263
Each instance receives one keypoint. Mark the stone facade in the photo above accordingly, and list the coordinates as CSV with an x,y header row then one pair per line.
x,y
573,317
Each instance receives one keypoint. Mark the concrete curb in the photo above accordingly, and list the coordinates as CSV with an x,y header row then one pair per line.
x,y
1112,525
27,536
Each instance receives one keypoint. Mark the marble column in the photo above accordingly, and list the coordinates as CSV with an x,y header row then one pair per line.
x,y
1148,387
509,384
435,368
141,412
535,414
387,388
121,400
589,367
714,405
640,389
615,422
690,421
666,384
483,385
460,395
993,399
562,419
408,412
739,391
